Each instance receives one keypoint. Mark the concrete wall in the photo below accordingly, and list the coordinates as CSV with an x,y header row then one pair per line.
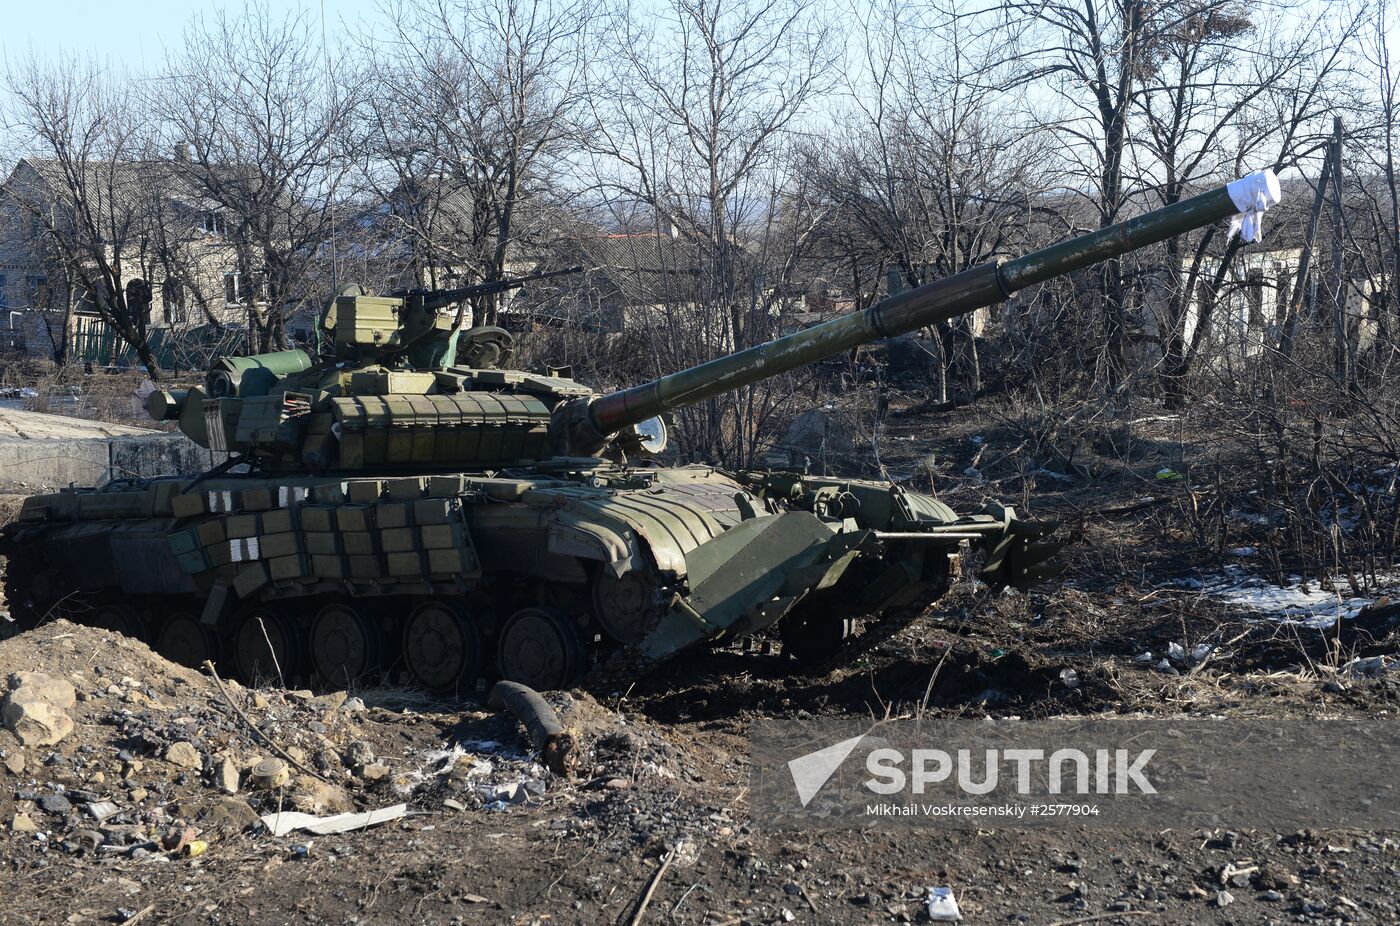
x,y
39,451
41,464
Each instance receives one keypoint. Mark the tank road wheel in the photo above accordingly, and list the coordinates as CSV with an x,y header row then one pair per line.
x,y
812,638
626,605
184,640
119,618
442,649
345,644
540,648
265,648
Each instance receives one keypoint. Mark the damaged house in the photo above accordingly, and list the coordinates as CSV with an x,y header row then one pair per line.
x,y
98,256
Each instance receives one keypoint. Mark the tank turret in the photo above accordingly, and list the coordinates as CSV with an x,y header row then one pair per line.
x,y
404,387
407,388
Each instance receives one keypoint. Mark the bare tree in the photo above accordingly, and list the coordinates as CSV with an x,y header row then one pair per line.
x,y
1093,61
82,195
929,169
1378,186
695,124
1226,94
264,112
474,110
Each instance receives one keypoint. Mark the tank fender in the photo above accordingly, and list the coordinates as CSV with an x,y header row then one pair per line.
x,y
575,534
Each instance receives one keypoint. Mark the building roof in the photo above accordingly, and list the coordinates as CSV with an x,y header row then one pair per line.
x,y
647,268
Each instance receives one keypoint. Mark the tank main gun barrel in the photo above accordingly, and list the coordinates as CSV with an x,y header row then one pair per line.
x,y
941,300
434,299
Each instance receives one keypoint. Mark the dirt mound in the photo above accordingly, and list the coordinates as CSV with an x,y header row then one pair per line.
x,y
148,756
155,747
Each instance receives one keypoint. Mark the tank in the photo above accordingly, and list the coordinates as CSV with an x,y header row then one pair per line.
x,y
412,504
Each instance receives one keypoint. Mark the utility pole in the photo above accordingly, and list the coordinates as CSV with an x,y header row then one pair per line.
x,y
1337,281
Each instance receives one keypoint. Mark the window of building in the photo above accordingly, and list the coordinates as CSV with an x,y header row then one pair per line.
x,y
211,223
172,300
38,289
233,288
1255,297
1285,294
4,302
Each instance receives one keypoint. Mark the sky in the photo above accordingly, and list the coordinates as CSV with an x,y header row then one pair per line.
x,y
134,33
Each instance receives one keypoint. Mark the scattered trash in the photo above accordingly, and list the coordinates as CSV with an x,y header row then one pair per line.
x,y
1069,678
1201,651
1176,652
178,837
280,824
943,906
101,810
1143,657
1167,474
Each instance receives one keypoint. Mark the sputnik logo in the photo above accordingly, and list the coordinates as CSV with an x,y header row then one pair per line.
x,y
812,771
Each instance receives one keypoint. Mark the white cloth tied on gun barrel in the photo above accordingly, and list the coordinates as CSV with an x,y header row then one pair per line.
x,y
1252,194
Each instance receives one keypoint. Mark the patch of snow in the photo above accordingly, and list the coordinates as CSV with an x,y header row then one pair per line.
x,y
1296,602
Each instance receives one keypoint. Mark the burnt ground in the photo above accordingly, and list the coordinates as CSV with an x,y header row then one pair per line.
x,y
493,838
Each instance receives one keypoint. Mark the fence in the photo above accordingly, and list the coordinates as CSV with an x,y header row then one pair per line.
x,y
94,341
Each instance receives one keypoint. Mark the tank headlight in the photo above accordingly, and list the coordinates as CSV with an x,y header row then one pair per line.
x,y
652,434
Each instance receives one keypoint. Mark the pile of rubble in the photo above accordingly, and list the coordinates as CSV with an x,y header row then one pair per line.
x,y
109,749
111,752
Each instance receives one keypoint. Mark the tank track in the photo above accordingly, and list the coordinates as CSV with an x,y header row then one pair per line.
x,y
627,665
611,667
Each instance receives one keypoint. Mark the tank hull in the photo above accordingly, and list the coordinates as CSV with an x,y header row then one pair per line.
x,y
455,579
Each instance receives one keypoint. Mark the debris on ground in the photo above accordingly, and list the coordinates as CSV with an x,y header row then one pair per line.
x,y
943,906
286,821
557,745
